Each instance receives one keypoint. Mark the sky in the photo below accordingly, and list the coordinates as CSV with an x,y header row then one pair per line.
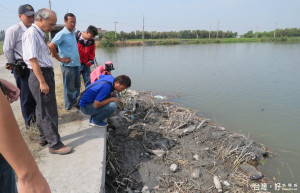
x,y
167,15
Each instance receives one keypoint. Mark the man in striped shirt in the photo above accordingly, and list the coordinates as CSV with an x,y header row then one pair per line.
x,y
41,80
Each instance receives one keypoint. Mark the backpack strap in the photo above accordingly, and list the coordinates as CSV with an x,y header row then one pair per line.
x,y
95,85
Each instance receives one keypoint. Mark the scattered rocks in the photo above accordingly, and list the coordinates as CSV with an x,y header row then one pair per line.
x,y
153,140
251,171
146,189
173,167
196,173
217,184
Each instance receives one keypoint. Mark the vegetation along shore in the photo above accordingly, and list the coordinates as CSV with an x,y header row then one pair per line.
x,y
137,38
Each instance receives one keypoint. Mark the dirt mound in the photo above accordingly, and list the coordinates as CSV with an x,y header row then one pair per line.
x,y
157,146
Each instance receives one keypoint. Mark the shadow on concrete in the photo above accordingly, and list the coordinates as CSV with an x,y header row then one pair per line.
x,y
84,136
73,115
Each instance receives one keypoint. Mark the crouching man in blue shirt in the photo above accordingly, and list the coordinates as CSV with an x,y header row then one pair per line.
x,y
98,99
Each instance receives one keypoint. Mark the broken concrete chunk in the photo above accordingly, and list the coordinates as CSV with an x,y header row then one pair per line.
x,y
217,184
251,171
146,189
256,177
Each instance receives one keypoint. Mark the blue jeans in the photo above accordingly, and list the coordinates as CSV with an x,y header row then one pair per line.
x,y
71,81
26,99
7,177
85,71
101,113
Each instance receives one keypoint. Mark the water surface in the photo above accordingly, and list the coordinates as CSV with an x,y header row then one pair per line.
x,y
253,88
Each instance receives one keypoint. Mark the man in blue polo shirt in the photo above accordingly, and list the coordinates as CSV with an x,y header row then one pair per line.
x,y
98,99
68,56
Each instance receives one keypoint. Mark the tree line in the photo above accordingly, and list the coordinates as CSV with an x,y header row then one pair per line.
x,y
2,35
198,34
288,32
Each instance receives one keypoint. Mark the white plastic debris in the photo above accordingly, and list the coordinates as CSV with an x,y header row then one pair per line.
x,y
222,128
196,157
226,183
173,167
159,97
133,105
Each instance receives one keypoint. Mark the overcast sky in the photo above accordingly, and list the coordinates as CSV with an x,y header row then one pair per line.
x,y
167,15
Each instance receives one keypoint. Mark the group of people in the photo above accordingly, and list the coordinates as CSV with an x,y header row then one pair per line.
x,y
26,50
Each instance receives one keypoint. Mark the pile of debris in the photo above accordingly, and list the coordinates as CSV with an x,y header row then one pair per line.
x,y
158,146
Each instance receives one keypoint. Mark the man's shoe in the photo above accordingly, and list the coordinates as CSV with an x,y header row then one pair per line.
x,y
62,151
102,124
43,143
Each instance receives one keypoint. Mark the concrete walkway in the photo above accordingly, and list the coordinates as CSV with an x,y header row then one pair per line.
x,y
82,171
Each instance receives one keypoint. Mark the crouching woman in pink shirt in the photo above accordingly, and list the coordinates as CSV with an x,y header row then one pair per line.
x,y
102,70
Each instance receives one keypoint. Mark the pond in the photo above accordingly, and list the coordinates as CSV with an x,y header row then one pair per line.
x,y
252,88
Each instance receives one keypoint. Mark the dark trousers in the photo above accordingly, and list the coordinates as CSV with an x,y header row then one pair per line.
x,y
26,99
7,177
46,108
85,71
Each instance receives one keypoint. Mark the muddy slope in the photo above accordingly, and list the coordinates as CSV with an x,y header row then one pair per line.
x,y
157,146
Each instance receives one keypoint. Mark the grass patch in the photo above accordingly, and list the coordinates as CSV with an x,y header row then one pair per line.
x,y
1,47
150,42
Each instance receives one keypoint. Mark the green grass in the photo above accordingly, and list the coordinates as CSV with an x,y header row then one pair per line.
x,y
220,40
1,47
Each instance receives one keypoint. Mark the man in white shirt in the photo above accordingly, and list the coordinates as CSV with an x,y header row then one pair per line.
x,y
41,80
12,48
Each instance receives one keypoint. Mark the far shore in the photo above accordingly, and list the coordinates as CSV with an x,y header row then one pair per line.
x,y
151,42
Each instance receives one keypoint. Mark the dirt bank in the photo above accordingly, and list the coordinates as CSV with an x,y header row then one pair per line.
x,y
157,146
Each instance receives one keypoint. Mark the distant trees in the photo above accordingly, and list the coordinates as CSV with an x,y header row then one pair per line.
x,y
288,32
110,36
2,35
184,34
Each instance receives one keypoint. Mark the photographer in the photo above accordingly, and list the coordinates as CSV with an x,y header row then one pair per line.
x,y
12,48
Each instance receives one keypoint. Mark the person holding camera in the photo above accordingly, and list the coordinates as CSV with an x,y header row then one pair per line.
x,y
102,70
12,48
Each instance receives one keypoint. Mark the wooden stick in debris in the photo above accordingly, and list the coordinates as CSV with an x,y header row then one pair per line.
x,y
157,152
147,115
168,111
202,122
179,126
